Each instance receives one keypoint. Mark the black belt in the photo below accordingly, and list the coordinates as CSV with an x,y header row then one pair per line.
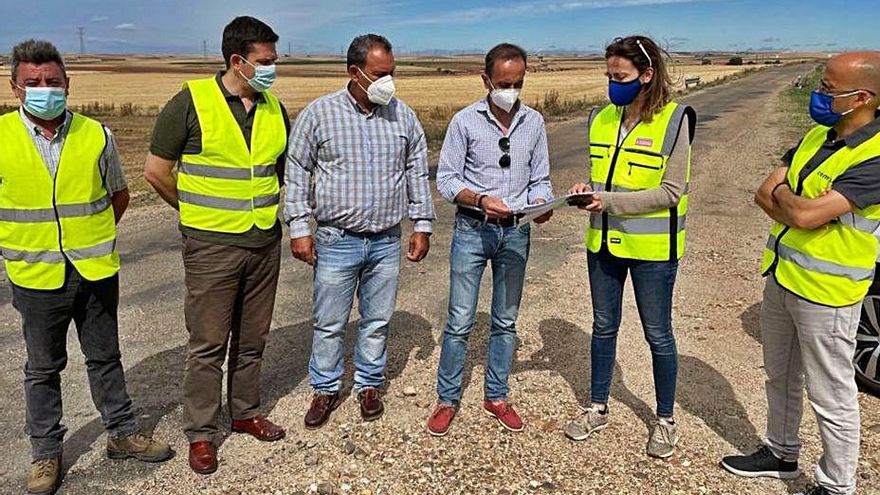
x,y
508,221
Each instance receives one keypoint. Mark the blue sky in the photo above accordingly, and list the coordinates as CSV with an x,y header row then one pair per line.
x,y
327,26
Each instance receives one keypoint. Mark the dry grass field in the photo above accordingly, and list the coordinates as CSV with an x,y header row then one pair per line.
x,y
127,93
423,85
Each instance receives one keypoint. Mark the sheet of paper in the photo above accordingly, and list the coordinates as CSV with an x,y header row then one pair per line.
x,y
532,212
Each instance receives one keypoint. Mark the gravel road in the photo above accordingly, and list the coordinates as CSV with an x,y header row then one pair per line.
x,y
721,404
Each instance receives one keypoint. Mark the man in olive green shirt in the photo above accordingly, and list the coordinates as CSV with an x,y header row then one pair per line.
x,y
177,132
231,278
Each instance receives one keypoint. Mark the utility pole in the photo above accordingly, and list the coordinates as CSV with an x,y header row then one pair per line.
x,y
204,48
82,42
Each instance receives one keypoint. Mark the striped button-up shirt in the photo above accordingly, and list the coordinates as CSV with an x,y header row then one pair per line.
x,y
470,155
109,164
369,170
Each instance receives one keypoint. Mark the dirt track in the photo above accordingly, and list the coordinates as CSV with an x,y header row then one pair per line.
x,y
720,402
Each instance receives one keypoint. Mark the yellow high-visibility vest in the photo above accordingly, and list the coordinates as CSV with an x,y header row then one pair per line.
x,y
834,264
45,219
228,187
637,163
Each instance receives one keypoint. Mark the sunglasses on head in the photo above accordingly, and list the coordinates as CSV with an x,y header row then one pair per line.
x,y
504,144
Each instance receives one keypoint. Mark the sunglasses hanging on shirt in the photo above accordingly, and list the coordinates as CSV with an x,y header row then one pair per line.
x,y
504,144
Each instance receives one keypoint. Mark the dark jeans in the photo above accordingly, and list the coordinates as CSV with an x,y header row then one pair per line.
x,y
230,295
46,316
653,283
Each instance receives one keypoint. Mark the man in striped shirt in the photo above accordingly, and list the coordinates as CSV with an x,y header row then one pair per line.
x,y
367,154
494,161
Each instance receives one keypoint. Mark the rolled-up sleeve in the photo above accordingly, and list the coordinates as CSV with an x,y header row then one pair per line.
x,y
450,170
539,178
299,167
418,188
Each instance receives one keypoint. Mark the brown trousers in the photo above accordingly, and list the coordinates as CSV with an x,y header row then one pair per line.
x,y
230,294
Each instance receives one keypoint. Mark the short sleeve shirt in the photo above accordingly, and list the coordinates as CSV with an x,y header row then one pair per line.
x,y
861,183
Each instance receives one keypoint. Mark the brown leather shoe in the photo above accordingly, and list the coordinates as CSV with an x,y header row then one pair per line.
x,y
371,405
203,457
319,411
259,427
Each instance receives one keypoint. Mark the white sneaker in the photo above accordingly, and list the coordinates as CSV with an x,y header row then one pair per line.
x,y
663,439
591,421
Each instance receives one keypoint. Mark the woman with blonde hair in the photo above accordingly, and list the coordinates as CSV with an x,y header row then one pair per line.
x,y
639,154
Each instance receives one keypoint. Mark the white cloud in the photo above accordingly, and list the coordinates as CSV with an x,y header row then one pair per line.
x,y
483,14
99,18
101,39
125,27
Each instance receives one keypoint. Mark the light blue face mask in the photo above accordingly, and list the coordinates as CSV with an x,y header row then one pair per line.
x,y
264,76
44,103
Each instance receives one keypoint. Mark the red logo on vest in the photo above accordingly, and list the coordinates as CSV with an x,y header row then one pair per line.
x,y
644,142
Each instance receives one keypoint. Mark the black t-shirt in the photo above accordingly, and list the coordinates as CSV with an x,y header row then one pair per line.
x,y
860,183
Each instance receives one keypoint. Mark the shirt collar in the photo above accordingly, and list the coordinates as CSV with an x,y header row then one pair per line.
x,y
357,108
518,115
861,135
258,97
38,129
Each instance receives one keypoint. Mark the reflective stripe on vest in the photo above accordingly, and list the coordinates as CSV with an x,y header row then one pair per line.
x,y
102,249
859,222
834,264
228,204
231,187
226,172
46,221
637,163
48,214
636,225
821,266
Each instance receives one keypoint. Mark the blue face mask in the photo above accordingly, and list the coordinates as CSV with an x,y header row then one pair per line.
x,y
44,103
820,108
622,94
264,76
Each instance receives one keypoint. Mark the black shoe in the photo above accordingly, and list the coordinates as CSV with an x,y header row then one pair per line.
x,y
761,463
814,490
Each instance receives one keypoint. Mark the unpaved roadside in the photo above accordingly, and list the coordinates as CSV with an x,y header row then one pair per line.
x,y
720,402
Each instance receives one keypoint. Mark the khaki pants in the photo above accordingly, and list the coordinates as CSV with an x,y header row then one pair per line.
x,y
805,339
230,294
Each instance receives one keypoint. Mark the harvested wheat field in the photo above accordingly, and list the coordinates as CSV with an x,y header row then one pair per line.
x,y
424,85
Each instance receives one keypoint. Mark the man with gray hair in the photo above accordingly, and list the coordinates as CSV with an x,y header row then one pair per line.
x,y
367,153
62,191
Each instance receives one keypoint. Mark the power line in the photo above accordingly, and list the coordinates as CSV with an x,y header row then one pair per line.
x,y
82,42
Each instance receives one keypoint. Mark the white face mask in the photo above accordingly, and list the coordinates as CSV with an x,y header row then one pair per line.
x,y
504,98
381,90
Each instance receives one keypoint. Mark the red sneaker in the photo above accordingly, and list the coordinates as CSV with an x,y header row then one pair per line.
x,y
441,418
504,413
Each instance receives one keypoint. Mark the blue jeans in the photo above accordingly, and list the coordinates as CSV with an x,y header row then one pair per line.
x,y
474,244
369,263
653,283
